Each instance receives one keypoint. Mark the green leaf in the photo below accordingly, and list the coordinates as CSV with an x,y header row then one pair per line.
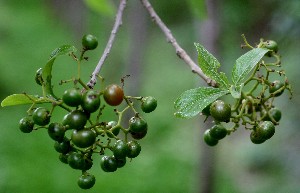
x,y
192,102
236,91
21,99
47,70
104,7
245,64
209,65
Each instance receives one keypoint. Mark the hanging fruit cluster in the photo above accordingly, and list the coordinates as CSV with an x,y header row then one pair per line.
x,y
82,132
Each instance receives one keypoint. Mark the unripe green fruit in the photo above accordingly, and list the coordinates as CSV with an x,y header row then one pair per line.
x,y
86,181
149,104
89,42
83,138
90,101
220,111
26,125
218,132
41,116
275,86
72,97
208,139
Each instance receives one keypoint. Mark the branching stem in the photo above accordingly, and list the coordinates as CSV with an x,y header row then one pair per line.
x,y
117,24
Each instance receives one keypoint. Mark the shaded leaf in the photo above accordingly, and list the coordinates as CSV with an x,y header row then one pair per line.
x,y
192,102
21,99
245,64
47,70
209,65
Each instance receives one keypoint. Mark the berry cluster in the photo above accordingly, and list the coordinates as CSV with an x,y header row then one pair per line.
x,y
82,132
254,108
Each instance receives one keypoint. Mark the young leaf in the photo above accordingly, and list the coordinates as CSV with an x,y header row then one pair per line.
x,y
236,91
21,99
47,70
209,65
245,64
192,102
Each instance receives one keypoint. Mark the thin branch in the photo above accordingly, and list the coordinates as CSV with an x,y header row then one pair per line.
x,y
117,24
170,38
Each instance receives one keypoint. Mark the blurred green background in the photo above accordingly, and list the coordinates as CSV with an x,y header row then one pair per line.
x,y
172,158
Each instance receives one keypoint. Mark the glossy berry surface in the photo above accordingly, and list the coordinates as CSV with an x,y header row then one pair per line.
x,y
108,163
256,137
218,132
138,135
149,104
134,149
137,125
274,113
41,116
89,42
63,147
76,160
276,88
72,97
220,111
90,101
120,149
83,138
113,95
266,129
208,139
56,131
86,181
26,125
75,120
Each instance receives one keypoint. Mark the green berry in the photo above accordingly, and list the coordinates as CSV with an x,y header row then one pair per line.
x,y
218,132
208,139
134,149
137,125
89,42
86,181
149,104
72,97
276,88
56,131
120,149
41,116
220,111
75,120
83,138
26,125
108,163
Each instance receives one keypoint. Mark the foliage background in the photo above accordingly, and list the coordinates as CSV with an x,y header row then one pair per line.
x,y
170,159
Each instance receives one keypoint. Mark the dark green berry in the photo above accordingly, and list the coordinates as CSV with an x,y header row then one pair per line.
x,y
108,163
208,139
137,125
86,181
26,125
72,97
41,116
134,149
56,131
149,104
220,111
218,132
89,42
